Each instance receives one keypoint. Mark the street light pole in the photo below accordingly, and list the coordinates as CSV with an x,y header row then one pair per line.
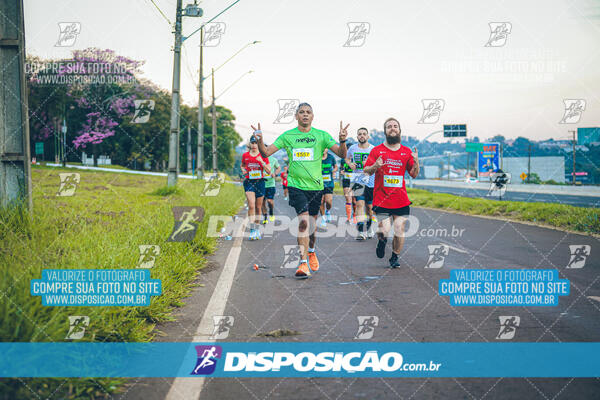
x,y
200,151
174,130
64,141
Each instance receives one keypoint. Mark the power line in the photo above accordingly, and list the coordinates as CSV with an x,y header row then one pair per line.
x,y
161,13
187,64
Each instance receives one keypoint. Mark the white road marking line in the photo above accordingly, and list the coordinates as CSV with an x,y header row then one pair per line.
x,y
455,248
190,388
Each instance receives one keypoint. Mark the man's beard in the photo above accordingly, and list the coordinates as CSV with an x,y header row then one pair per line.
x,y
392,139
362,141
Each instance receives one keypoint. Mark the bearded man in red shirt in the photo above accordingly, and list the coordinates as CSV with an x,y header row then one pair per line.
x,y
389,162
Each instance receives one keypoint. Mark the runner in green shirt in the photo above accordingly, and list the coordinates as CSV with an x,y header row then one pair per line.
x,y
305,146
270,189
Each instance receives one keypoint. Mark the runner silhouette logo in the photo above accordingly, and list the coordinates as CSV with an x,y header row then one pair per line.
x,y
292,255
437,255
579,254
186,223
574,109
222,325
499,32
508,326
287,110
366,326
207,359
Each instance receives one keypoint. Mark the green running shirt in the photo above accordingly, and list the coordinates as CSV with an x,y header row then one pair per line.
x,y
305,152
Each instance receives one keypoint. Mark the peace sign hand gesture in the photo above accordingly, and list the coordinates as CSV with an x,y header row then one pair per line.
x,y
343,132
257,132
415,154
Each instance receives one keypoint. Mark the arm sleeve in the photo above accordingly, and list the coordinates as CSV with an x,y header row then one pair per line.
x,y
279,142
328,140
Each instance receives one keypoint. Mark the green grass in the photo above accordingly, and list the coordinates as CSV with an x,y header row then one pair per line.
x,y
562,216
101,226
166,191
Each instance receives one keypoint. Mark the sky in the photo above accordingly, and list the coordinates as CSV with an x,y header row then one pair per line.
x,y
411,52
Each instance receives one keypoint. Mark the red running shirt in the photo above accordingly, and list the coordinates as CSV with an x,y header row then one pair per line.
x,y
254,169
284,178
390,189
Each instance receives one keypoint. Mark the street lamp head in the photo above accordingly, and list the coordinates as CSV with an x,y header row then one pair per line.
x,y
192,10
256,41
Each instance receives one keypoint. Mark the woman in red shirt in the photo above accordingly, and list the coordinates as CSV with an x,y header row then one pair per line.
x,y
255,168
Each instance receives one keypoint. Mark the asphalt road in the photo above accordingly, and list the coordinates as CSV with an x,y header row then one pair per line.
x,y
579,201
353,282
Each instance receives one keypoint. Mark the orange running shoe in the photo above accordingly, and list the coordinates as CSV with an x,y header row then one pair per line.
x,y
313,262
303,271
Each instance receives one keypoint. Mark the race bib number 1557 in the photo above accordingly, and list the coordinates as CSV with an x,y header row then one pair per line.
x,y
304,154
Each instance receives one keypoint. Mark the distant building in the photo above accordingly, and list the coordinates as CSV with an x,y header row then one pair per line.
x,y
546,168
431,171
554,144
578,147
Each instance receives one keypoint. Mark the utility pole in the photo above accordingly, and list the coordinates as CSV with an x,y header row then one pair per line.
x,y
174,130
574,143
214,125
448,165
529,164
64,142
15,157
200,151
189,149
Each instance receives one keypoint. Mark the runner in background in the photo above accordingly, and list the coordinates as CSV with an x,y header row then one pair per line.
x,y
270,190
389,162
345,173
362,184
254,168
328,169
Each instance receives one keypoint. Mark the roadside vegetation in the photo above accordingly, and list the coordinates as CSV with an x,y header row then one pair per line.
x,y
100,226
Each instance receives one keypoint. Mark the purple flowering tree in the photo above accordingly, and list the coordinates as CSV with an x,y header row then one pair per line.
x,y
106,94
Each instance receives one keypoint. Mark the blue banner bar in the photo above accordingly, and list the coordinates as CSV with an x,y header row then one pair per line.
x,y
320,359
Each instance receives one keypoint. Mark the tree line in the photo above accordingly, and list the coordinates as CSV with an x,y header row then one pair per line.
x,y
109,109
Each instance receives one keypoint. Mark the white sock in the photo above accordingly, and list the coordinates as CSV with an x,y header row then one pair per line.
x,y
311,249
